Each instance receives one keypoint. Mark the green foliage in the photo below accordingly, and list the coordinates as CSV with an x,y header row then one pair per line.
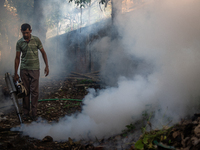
x,y
81,3
129,129
169,141
85,81
103,1
146,141
51,108
24,8
54,16
139,145
9,28
146,118
74,105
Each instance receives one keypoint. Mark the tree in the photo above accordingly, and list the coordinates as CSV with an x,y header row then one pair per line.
x,y
2,9
116,8
39,21
116,5
1,21
24,9
8,32
81,2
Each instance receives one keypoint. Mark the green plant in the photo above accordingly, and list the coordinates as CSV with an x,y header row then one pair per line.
x,y
85,81
81,3
146,118
146,141
51,108
128,129
169,141
69,105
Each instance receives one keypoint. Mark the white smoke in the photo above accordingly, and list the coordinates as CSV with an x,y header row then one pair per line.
x,y
6,102
166,35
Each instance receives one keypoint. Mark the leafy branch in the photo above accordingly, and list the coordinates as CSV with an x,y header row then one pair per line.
x,y
82,3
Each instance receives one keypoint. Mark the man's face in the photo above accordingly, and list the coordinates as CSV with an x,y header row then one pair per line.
x,y
26,34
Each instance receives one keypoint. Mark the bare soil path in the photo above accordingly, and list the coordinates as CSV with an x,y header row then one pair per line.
x,y
61,97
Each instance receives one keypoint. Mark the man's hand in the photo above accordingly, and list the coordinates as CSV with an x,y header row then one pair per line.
x,y
16,77
46,71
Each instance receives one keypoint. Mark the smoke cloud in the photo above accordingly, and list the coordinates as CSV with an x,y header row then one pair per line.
x,y
6,103
164,37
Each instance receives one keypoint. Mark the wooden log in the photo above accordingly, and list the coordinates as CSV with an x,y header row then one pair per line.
x,y
78,85
84,75
75,78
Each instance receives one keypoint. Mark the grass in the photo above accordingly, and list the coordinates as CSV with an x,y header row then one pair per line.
x,y
72,105
85,81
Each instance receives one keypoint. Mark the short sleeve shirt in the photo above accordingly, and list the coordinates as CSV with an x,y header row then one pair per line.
x,y
29,57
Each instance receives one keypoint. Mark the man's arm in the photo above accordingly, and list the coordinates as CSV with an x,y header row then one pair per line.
x,y
44,55
17,61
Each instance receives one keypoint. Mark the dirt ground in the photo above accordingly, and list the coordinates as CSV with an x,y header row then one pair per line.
x,y
60,97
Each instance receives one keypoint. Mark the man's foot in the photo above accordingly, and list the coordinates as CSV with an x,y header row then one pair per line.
x,y
26,117
34,118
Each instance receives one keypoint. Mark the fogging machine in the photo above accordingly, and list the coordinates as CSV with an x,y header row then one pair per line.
x,y
15,90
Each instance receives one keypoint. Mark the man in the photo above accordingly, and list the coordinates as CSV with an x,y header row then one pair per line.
x,y
28,46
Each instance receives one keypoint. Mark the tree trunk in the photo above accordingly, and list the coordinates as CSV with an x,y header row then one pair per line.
x,y
39,21
2,32
116,8
2,9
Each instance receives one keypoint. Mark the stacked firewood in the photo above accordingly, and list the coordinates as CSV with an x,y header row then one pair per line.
x,y
92,76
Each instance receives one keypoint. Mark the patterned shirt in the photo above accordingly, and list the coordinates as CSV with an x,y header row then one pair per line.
x,y
29,57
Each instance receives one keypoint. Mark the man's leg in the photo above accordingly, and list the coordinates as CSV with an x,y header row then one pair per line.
x,y
34,90
26,100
